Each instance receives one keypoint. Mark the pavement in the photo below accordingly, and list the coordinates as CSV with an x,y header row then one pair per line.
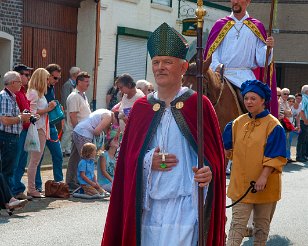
x,y
47,162
54,221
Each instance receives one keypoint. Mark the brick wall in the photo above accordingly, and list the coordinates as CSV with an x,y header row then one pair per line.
x,y
11,15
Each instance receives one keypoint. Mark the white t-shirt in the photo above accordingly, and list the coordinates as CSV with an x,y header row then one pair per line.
x,y
86,127
126,105
77,103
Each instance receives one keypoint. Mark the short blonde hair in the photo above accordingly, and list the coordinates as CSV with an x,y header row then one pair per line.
x,y
87,150
38,81
142,84
304,89
285,90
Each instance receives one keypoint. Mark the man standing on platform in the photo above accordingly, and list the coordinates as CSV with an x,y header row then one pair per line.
x,y
239,43
154,195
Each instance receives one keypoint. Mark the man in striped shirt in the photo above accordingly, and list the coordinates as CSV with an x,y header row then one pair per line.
x,y
10,124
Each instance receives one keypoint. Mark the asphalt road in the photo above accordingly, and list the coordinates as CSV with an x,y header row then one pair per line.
x,y
54,222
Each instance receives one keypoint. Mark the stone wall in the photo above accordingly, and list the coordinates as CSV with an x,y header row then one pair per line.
x,y
11,16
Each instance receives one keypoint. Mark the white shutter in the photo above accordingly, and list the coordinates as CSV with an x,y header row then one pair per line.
x,y
162,2
132,56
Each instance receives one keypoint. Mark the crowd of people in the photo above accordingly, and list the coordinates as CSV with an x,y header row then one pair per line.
x,y
26,101
149,138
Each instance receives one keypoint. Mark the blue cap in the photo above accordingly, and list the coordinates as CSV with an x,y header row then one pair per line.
x,y
257,87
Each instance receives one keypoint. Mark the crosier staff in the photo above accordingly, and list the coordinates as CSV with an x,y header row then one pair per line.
x,y
200,13
268,49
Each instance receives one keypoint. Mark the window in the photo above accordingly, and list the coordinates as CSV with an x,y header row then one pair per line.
x,y
163,2
132,56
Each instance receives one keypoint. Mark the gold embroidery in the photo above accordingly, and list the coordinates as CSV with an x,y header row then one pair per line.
x,y
223,32
254,29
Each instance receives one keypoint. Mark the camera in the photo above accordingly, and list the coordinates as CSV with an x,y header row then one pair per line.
x,y
33,118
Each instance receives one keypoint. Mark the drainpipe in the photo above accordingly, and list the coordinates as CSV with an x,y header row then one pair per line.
x,y
97,47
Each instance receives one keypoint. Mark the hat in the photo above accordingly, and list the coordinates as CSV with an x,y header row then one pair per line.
x,y
258,87
291,97
166,41
21,67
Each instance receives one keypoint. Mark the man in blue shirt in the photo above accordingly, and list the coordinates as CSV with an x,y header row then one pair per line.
x,y
53,143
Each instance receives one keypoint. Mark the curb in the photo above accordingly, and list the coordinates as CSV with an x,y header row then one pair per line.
x,y
47,167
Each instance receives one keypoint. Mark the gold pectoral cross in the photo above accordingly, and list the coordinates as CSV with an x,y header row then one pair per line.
x,y
163,156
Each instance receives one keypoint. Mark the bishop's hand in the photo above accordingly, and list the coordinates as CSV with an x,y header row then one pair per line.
x,y
203,175
163,161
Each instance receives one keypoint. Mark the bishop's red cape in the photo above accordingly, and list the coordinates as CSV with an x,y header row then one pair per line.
x,y
218,33
123,223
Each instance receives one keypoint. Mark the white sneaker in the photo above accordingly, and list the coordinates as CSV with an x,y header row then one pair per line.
x,y
17,204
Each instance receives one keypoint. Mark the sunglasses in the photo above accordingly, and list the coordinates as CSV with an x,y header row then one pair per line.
x,y
286,94
56,78
278,95
150,90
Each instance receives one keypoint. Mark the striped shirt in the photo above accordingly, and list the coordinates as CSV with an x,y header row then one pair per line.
x,y
9,108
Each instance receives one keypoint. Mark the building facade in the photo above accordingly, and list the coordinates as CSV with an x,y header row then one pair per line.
x,y
40,32
125,28
10,34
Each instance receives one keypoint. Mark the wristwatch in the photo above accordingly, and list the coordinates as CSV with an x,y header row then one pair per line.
x,y
19,117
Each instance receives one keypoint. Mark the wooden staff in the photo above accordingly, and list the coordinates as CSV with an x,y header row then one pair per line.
x,y
200,13
268,50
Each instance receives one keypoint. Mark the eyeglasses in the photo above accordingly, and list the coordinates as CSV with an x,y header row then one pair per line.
x,y
286,94
18,81
150,90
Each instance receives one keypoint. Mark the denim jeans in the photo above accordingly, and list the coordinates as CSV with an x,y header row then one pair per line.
x,y
290,136
8,146
20,164
54,147
302,141
5,192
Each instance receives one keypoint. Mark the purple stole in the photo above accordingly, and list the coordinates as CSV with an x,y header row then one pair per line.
x,y
218,33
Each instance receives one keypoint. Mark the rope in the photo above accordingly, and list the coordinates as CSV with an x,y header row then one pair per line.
x,y
253,190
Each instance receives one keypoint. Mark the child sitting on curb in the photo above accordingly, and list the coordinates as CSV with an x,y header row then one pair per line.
x,y
106,164
85,173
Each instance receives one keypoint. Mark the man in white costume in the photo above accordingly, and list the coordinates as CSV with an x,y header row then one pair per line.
x,y
240,46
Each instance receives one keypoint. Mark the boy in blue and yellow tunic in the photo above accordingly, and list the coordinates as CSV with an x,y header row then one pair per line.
x,y
256,144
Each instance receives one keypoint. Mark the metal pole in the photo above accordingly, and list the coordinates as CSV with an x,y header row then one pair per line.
x,y
97,47
200,13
